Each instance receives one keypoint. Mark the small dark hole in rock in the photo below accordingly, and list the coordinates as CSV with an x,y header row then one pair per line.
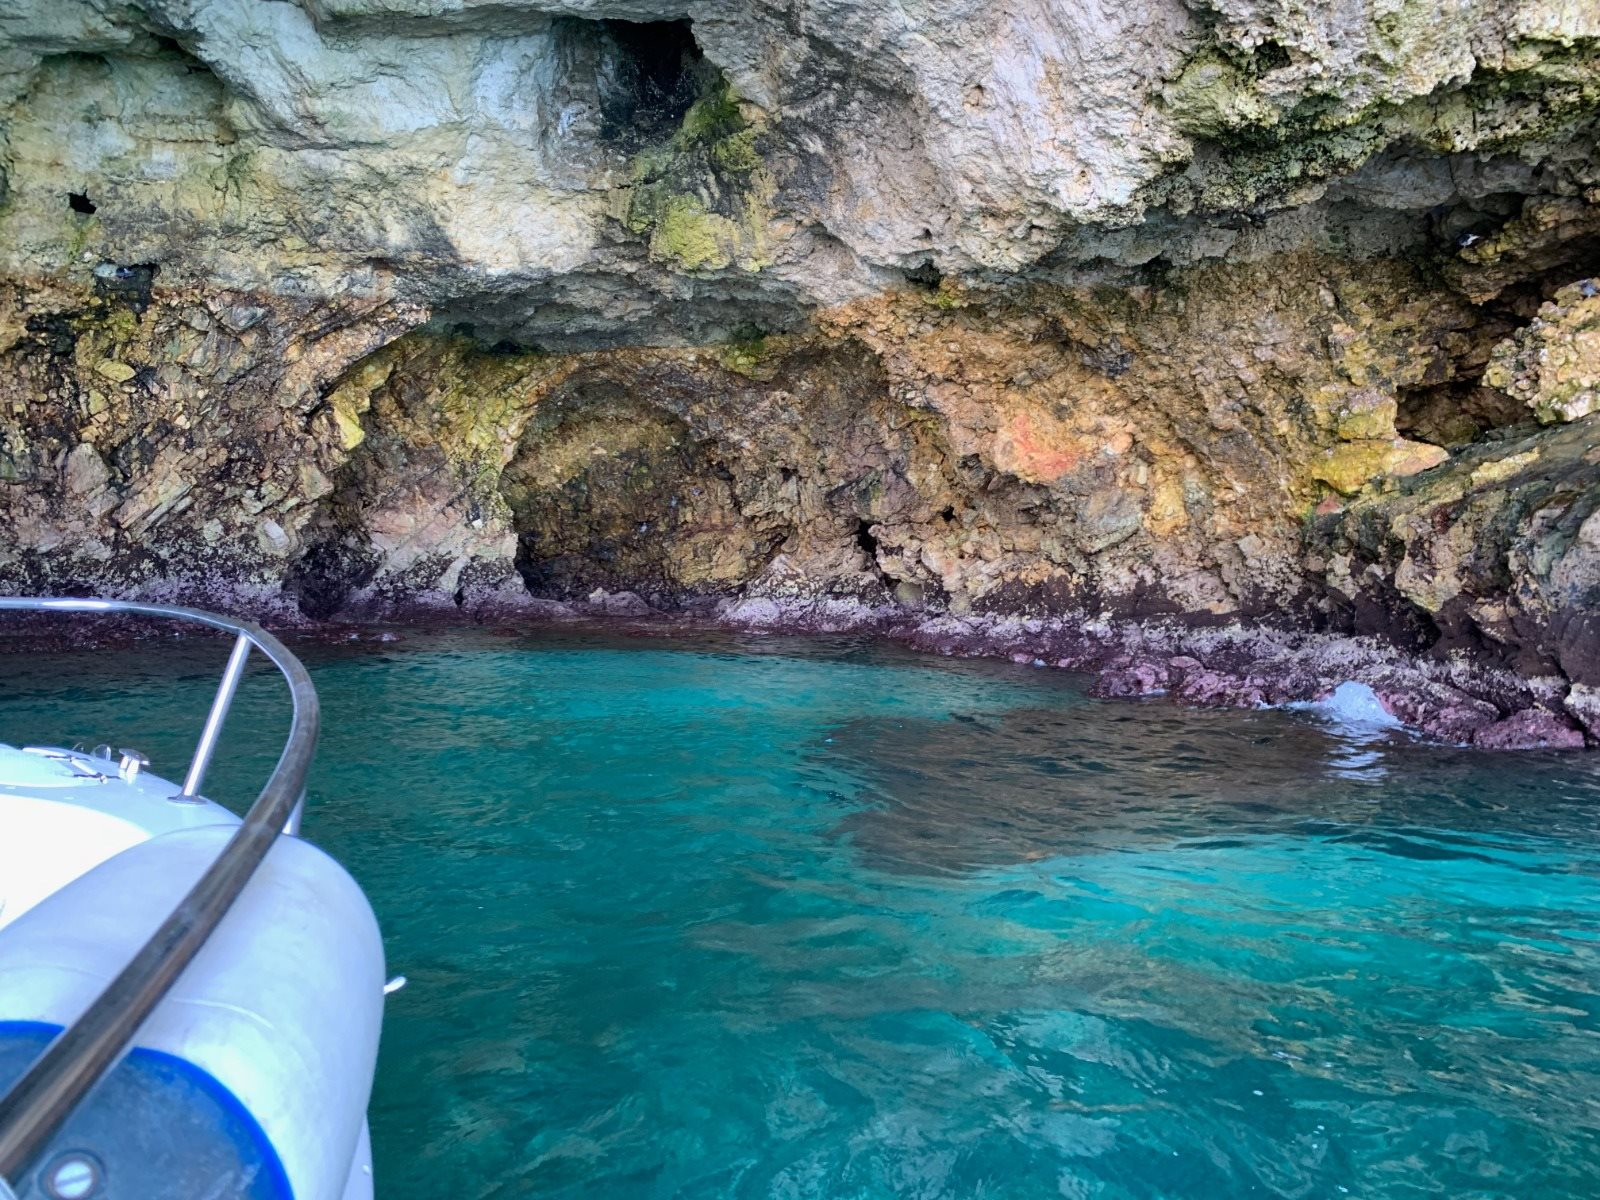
x,y
79,202
947,513
866,541
1271,56
926,275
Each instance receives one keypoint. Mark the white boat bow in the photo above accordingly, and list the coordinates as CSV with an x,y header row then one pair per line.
x,y
190,1002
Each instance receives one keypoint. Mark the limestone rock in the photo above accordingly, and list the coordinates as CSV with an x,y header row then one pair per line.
x,y
566,173
1350,466
835,312
1583,703
1553,364
86,471
1497,552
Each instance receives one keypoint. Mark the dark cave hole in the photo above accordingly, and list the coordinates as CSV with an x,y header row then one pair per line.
x,y
1456,413
1158,272
653,74
1452,407
79,202
947,513
332,568
1240,222
1458,226
1271,56
867,542
926,275
191,64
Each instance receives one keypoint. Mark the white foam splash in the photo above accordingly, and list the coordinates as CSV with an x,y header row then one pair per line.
x,y
1353,705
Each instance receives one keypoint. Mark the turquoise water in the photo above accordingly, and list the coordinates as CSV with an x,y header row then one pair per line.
x,y
772,918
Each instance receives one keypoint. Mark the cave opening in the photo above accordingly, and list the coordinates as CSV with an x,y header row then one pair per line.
x,y
79,202
652,72
1453,407
925,275
1271,56
867,542
609,491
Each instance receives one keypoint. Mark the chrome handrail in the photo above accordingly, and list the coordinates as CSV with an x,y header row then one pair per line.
x,y
58,1081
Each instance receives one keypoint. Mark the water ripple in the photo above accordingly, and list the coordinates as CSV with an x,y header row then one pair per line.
x,y
764,918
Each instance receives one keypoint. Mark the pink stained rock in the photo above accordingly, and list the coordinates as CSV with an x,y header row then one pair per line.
x,y
1438,710
1139,679
1530,729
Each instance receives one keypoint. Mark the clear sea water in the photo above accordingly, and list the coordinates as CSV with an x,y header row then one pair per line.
x,y
762,917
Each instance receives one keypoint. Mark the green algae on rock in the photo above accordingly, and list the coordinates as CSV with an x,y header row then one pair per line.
x,y
376,308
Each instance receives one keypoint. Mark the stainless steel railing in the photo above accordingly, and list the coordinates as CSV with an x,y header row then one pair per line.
x,y
40,1102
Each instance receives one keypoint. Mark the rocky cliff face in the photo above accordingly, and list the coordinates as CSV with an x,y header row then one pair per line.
x,y
1185,315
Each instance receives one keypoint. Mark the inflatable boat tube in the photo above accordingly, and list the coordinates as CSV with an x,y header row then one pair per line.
x,y
254,1072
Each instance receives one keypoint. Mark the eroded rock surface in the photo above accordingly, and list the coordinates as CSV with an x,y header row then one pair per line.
x,y
1497,552
1193,317
1553,363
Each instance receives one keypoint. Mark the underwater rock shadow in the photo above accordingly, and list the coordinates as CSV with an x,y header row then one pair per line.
x,y
972,792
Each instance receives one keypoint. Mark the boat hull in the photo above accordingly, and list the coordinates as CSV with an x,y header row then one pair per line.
x,y
280,1012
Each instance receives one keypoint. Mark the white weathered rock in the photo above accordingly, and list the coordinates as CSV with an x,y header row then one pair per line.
x,y
460,153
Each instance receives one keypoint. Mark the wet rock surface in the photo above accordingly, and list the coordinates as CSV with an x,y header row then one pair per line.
x,y
1497,553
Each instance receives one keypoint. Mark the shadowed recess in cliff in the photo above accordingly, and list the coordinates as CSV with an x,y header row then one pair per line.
x,y
609,491
1513,516
651,72
560,315
1509,254
333,566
